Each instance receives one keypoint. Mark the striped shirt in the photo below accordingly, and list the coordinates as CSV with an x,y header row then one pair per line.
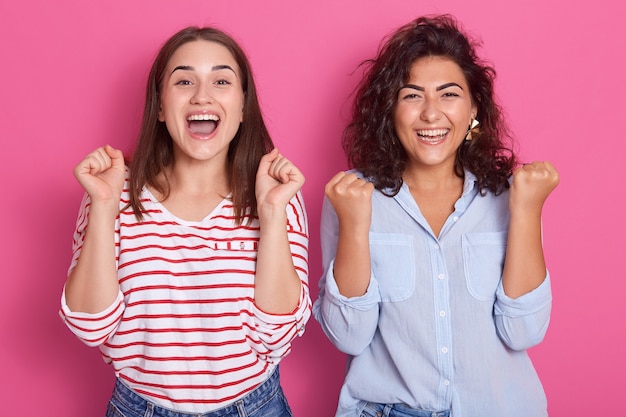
x,y
184,331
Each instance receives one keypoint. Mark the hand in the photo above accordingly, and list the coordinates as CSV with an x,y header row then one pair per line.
x,y
531,186
277,181
351,198
102,174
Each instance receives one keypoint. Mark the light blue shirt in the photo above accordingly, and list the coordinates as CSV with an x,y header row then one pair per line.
x,y
435,329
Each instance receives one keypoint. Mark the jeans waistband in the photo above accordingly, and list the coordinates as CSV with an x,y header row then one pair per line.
x,y
253,400
401,410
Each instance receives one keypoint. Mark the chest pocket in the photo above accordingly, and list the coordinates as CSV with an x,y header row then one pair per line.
x,y
483,263
393,265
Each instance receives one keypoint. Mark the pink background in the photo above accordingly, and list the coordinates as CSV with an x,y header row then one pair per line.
x,y
72,76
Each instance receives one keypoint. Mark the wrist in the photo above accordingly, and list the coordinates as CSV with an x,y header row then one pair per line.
x,y
272,214
108,208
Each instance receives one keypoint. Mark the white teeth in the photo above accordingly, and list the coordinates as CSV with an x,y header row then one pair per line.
x,y
433,132
204,117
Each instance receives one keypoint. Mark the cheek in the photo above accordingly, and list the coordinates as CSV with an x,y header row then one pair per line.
x,y
403,117
456,112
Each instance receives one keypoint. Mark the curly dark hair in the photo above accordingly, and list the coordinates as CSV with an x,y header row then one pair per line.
x,y
370,140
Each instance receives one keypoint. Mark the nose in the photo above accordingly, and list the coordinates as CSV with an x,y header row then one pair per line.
x,y
430,110
202,94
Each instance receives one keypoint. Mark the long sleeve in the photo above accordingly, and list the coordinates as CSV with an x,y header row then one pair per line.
x,y
350,323
92,329
523,322
185,316
435,307
277,331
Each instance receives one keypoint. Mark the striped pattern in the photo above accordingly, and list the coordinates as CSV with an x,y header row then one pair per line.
x,y
185,331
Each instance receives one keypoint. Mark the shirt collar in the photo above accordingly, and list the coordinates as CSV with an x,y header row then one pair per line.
x,y
469,183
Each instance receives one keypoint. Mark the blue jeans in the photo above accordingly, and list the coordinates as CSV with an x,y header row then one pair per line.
x,y
398,410
267,400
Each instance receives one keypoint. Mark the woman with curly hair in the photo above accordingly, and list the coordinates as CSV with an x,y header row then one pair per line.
x,y
435,282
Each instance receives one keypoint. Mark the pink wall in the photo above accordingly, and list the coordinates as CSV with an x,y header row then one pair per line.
x,y
72,77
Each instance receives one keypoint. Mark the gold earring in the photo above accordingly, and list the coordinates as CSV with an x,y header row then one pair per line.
x,y
472,127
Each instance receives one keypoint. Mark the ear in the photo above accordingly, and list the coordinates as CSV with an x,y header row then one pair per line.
x,y
161,115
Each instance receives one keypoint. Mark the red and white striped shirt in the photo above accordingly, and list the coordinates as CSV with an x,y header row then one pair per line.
x,y
184,331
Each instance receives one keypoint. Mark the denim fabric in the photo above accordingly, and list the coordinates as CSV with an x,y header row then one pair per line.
x,y
267,400
398,410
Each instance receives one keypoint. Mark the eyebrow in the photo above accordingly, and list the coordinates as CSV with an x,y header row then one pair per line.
x,y
439,88
215,68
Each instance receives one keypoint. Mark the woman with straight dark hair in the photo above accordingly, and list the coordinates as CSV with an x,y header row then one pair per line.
x,y
434,283
190,267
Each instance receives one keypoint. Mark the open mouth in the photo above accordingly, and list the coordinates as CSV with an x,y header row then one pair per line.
x,y
202,124
432,135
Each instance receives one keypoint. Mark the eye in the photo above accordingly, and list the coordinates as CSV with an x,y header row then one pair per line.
x,y
183,82
410,96
450,94
222,82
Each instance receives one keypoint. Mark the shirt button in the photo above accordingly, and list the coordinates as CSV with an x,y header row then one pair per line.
x,y
446,382
444,350
455,218
440,276
442,313
436,246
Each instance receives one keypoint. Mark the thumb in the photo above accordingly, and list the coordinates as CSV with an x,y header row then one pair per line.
x,y
116,155
266,161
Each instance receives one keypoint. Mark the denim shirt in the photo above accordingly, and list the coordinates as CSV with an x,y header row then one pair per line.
x,y
435,329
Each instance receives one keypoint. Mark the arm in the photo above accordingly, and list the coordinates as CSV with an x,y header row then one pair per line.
x,y
93,329
282,301
277,286
522,322
92,284
351,198
349,322
524,298
524,266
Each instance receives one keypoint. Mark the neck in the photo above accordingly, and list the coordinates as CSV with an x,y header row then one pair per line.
x,y
432,178
198,177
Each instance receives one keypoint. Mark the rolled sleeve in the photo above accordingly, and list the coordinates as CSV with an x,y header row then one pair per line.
x,y
93,329
523,322
350,323
277,331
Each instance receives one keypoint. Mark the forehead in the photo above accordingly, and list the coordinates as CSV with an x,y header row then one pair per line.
x,y
202,54
437,70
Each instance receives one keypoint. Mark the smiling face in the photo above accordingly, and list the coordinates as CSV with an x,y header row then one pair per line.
x,y
202,100
433,111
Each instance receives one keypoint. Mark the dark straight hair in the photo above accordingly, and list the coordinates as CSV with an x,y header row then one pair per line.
x,y
154,150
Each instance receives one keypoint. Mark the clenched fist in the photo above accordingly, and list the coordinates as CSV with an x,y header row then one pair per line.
x,y
102,174
277,181
531,186
351,198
